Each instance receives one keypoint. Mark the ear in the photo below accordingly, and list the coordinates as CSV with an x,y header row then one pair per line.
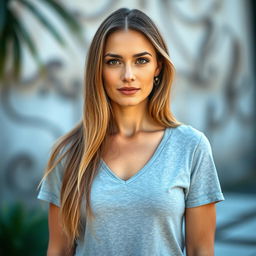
x,y
159,68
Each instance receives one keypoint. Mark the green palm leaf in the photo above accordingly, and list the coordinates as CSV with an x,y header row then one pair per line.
x,y
4,38
22,231
43,21
70,21
3,12
14,33
17,55
67,17
3,48
25,37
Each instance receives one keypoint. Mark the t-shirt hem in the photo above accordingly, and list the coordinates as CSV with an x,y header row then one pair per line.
x,y
206,200
50,198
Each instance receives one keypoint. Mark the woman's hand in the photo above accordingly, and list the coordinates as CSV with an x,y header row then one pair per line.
x,y
200,225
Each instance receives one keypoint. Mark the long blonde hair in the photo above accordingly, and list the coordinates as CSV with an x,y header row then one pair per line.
x,y
85,142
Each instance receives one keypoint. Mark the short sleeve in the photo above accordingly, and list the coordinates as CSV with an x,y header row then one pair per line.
x,y
204,185
51,186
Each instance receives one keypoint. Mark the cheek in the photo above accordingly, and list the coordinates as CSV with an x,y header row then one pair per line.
x,y
147,72
147,76
109,77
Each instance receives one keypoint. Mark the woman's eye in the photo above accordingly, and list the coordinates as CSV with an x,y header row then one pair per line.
x,y
142,60
113,62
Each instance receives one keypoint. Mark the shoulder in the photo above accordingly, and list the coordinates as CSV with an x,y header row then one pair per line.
x,y
192,140
187,134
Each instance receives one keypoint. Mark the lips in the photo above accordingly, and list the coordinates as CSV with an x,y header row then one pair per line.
x,y
128,89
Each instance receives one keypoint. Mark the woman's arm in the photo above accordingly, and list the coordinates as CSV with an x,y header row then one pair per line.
x,y
58,242
200,225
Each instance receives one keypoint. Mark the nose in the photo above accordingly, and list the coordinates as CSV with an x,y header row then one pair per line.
x,y
128,74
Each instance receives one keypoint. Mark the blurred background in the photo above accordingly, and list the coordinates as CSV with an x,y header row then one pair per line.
x,y
43,45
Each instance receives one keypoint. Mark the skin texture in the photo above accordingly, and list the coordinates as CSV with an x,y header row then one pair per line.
x,y
200,223
132,122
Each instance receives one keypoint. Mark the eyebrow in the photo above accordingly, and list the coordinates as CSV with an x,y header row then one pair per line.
x,y
120,57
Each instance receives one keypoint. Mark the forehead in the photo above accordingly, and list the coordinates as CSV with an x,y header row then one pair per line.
x,y
128,41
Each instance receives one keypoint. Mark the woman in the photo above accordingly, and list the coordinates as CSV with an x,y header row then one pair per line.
x,y
122,180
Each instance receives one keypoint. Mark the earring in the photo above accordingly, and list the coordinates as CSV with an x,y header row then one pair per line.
x,y
156,81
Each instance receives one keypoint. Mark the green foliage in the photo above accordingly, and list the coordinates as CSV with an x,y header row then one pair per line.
x,y
22,231
14,35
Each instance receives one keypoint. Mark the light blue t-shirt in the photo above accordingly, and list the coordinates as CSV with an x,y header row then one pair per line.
x,y
143,216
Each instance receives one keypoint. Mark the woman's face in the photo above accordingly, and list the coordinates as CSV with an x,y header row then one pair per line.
x,y
129,61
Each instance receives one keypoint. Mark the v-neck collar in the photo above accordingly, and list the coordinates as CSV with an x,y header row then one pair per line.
x,y
167,132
